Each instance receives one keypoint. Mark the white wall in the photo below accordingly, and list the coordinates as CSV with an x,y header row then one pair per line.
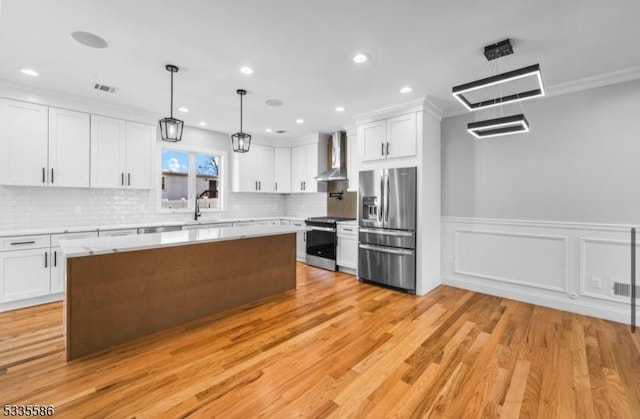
x,y
544,217
579,163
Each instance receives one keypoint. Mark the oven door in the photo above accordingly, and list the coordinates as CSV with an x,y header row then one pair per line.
x,y
321,247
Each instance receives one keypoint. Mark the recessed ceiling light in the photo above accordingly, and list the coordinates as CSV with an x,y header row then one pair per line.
x,y
183,109
268,130
406,89
340,109
360,58
299,121
246,70
89,39
274,102
30,72
203,124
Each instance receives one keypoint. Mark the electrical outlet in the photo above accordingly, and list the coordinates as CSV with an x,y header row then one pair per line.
x,y
450,260
596,282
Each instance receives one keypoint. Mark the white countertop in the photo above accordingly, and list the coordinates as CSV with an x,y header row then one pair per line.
x,y
77,229
106,245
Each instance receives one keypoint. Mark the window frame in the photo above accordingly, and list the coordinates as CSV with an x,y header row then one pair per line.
x,y
192,150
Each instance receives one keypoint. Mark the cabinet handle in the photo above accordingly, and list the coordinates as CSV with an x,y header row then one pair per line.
x,y
44,173
122,178
55,258
387,148
276,186
52,175
18,243
382,149
46,259
259,185
128,179
305,236
347,229
256,186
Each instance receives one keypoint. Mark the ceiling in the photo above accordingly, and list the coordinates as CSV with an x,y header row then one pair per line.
x,y
302,52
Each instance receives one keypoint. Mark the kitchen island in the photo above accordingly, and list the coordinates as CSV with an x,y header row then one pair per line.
x,y
121,288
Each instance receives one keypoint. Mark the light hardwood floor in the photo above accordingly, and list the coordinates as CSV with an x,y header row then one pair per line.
x,y
338,348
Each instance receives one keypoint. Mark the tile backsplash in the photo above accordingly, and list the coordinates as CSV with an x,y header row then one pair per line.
x,y
33,207
306,204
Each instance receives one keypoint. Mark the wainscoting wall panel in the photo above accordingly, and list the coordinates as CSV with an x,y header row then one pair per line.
x,y
567,266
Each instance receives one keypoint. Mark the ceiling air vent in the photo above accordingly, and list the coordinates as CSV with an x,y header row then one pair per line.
x,y
104,88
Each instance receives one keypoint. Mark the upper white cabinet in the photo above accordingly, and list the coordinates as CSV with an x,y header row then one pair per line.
x,y
307,161
254,171
389,138
120,153
282,170
140,139
69,142
23,143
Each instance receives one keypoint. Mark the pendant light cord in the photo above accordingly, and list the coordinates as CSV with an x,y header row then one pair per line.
x,y
241,113
171,110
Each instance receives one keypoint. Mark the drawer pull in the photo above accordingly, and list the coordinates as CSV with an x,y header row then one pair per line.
x,y
20,243
347,229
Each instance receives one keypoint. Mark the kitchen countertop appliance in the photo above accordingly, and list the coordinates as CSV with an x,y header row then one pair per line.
x,y
322,240
387,233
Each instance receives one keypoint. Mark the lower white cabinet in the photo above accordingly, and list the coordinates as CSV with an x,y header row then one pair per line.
x,y
24,274
301,241
347,256
57,271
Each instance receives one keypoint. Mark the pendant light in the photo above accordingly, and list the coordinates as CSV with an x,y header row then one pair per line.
x,y
241,141
171,128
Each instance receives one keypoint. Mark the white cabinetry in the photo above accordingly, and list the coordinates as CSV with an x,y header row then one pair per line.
x,y
24,267
389,138
301,241
282,169
23,143
347,257
69,142
120,153
307,161
253,171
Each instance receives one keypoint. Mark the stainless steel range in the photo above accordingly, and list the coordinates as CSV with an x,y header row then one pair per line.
x,y
322,240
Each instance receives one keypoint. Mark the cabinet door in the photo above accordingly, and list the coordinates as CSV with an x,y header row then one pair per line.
x,y
352,163
402,136
69,148
57,271
24,274
301,242
264,167
139,150
373,140
347,251
298,168
23,143
108,143
282,170
311,185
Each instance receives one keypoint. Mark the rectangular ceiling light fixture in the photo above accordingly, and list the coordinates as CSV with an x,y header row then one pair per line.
x,y
469,94
514,124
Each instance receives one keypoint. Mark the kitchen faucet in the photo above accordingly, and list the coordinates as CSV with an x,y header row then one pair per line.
x,y
197,211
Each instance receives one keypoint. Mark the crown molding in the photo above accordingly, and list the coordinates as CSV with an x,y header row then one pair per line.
x,y
593,82
423,104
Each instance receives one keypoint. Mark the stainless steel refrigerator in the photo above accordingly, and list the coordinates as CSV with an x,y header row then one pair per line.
x,y
387,233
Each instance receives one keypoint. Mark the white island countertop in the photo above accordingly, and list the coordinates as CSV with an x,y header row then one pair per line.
x,y
106,245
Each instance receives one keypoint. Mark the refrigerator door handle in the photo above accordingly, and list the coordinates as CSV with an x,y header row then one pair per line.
x,y
381,213
386,205
391,250
386,232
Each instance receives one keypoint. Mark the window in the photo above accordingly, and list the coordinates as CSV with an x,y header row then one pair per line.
x,y
187,175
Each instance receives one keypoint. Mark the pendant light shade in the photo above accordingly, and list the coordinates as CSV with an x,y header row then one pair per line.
x,y
241,141
171,128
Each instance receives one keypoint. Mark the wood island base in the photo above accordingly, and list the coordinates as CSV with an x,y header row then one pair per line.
x,y
118,297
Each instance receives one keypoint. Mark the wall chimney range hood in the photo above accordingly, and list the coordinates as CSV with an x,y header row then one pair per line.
x,y
338,170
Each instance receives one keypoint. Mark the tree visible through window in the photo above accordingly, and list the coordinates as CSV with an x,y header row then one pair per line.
x,y
187,175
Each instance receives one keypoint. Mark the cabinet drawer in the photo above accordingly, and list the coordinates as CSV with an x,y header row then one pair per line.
x,y
24,242
347,230
298,223
55,238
